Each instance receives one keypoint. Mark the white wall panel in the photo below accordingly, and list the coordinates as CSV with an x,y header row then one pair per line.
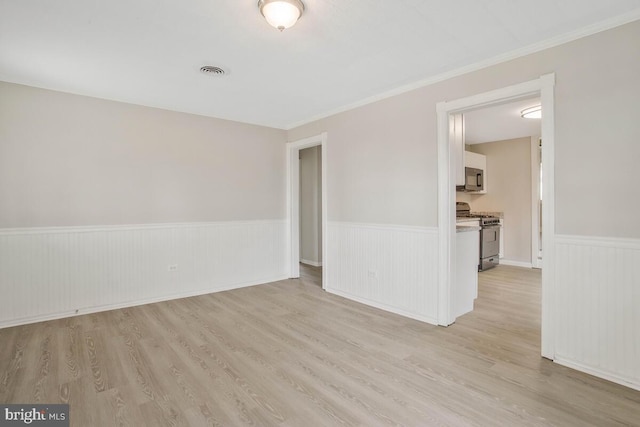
x,y
52,272
598,290
390,267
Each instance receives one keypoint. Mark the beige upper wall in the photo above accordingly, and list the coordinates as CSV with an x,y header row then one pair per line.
x,y
68,160
509,191
382,157
381,167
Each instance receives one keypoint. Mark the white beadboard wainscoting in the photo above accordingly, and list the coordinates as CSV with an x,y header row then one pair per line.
x,y
597,290
394,268
48,273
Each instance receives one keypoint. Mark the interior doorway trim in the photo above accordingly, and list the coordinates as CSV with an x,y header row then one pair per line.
x,y
543,87
293,203
536,261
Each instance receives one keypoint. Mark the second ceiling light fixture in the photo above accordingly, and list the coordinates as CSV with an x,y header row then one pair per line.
x,y
281,14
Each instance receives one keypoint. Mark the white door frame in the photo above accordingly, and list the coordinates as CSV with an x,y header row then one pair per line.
x,y
293,203
536,262
544,87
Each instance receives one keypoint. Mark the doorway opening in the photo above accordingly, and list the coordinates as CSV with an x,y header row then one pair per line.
x,y
307,208
311,213
506,147
447,168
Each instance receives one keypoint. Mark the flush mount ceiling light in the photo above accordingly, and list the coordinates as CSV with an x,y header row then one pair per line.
x,y
281,14
532,112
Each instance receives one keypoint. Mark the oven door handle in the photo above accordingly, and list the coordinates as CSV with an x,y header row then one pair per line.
x,y
491,227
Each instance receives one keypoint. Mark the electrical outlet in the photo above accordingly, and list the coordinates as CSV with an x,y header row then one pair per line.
x,y
373,274
173,267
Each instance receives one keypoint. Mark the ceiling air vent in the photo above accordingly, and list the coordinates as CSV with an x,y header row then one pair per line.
x,y
211,70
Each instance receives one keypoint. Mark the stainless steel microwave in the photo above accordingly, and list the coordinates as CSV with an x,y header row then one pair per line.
x,y
473,180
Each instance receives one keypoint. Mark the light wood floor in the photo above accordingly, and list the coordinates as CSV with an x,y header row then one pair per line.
x,y
290,354
311,275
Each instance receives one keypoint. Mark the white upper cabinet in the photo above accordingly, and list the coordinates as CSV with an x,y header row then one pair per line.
x,y
463,158
477,161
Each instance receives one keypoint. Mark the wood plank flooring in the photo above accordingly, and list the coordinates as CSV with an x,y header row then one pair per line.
x,y
289,354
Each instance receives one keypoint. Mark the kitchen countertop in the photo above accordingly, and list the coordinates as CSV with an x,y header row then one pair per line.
x,y
466,219
467,228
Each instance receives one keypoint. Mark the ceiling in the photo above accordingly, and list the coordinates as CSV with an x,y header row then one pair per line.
x,y
500,122
340,53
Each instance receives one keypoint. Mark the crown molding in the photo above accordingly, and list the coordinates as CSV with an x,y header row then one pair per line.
x,y
505,57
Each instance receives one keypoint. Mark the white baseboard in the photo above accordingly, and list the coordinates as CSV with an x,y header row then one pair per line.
x,y
109,307
311,263
598,373
516,263
384,307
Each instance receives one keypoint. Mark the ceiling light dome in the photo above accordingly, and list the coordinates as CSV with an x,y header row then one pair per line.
x,y
281,14
532,112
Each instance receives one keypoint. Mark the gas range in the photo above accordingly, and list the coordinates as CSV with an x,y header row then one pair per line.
x,y
463,210
484,219
489,235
